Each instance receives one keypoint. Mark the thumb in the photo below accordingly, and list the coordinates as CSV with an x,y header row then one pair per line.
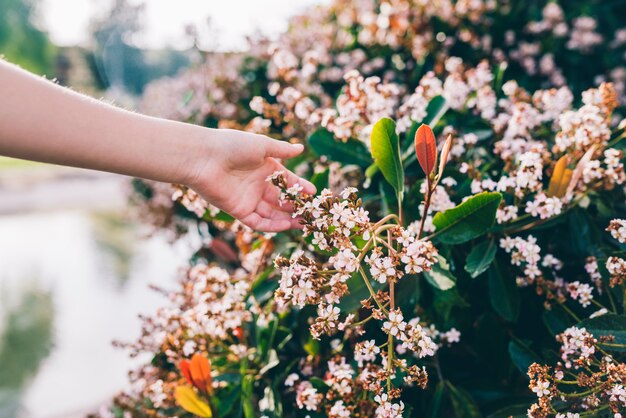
x,y
282,150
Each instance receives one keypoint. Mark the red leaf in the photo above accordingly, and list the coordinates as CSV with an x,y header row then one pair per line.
x,y
426,148
185,370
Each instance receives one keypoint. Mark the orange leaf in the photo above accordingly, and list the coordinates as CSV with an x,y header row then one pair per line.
x,y
580,167
426,148
201,372
188,399
559,179
443,159
185,370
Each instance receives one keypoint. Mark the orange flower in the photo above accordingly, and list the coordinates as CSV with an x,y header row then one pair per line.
x,y
426,149
198,372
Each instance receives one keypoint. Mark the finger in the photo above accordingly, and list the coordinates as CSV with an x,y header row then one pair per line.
x,y
307,186
272,197
272,212
257,222
282,149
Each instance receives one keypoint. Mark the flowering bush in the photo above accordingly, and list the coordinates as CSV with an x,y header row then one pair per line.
x,y
465,253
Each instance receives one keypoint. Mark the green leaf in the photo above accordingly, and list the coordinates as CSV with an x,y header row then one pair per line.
x,y
227,399
480,257
247,401
320,180
463,404
358,291
512,411
468,220
503,293
271,363
440,276
556,320
609,324
435,407
324,143
522,356
386,152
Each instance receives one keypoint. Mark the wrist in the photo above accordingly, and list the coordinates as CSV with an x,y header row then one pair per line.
x,y
199,154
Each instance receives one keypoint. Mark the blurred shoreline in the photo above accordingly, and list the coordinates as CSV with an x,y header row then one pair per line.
x,y
44,187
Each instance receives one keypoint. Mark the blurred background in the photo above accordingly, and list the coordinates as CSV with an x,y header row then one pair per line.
x,y
75,261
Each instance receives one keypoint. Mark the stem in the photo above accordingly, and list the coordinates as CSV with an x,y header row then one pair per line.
x,y
387,218
400,208
568,310
371,290
611,301
425,211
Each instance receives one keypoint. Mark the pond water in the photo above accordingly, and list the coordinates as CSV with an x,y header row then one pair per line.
x,y
71,282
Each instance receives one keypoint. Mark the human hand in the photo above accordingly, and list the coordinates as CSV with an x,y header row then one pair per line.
x,y
233,176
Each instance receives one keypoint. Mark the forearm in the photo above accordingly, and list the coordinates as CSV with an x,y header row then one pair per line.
x,y
44,122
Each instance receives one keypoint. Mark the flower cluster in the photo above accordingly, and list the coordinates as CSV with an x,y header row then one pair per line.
x,y
588,378
387,251
524,105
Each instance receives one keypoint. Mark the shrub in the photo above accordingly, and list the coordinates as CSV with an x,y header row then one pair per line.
x,y
457,247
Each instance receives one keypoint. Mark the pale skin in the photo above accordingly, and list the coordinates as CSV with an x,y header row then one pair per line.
x,y
42,121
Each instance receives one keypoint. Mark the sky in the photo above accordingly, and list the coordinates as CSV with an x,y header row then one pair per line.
x,y
165,20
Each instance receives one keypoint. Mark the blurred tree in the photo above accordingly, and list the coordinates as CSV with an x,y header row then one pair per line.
x,y
21,40
25,342
119,62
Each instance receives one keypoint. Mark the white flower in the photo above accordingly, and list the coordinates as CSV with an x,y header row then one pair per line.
x,y
366,351
382,267
345,261
291,379
387,409
395,323
617,227
541,388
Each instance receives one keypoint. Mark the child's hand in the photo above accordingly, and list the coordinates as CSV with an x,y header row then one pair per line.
x,y
233,178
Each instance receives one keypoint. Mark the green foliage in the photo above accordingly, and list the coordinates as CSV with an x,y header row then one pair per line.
x,y
522,356
468,220
608,325
324,144
386,153
480,257
503,293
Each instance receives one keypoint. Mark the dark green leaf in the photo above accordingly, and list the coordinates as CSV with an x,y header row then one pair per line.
x,y
463,404
435,407
468,220
386,152
512,411
226,400
324,143
522,356
605,325
503,293
556,320
480,257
